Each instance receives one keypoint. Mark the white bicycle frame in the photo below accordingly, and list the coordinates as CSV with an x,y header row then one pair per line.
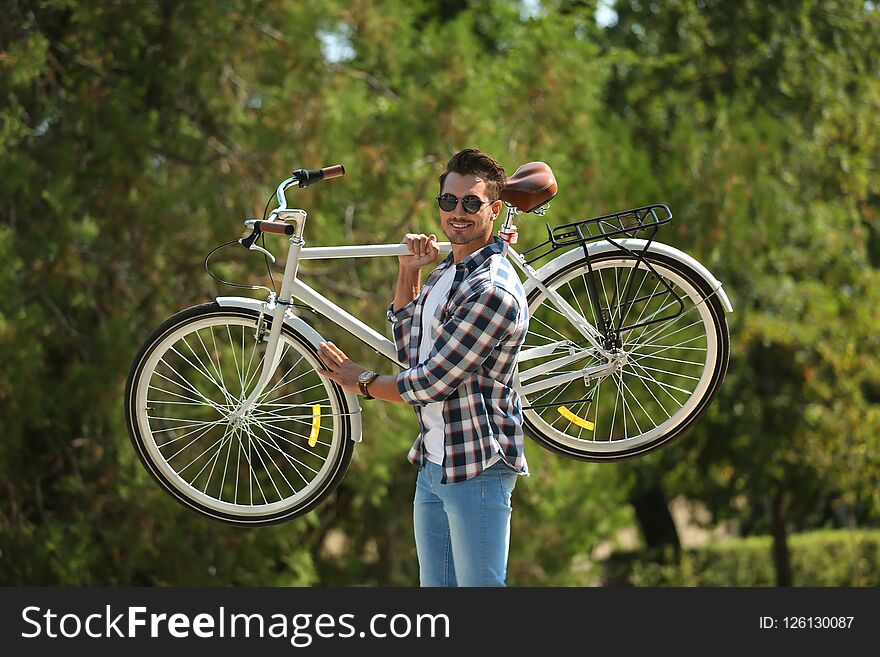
x,y
293,288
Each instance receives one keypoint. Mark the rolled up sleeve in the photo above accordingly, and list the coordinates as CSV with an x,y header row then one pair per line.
x,y
466,340
401,322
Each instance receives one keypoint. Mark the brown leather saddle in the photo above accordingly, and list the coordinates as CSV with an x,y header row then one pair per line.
x,y
530,186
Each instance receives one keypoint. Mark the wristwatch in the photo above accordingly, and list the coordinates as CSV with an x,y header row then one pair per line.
x,y
365,379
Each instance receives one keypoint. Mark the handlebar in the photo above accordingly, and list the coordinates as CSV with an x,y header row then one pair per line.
x,y
306,177
269,227
301,177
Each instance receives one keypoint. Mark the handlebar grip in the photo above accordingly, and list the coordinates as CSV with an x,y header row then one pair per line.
x,y
274,227
306,177
335,171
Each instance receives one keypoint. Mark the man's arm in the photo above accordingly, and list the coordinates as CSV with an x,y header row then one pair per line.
x,y
423,251
345,372
409,282
478,325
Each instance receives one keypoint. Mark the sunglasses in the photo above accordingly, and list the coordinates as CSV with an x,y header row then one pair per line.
x,y
470,204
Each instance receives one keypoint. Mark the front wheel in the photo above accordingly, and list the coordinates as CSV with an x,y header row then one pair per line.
x,y
277,462
669,358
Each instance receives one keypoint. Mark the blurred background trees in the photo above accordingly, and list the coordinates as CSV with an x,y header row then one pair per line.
x,y
135,136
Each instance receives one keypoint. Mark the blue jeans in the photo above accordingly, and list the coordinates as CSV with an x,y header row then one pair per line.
x,y
463,529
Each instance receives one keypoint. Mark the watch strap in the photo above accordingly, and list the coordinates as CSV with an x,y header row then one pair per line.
x,y
362,386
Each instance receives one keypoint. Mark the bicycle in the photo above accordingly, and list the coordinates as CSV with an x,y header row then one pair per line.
x,y
627,346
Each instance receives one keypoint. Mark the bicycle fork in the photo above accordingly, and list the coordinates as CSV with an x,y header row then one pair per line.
x,y
273,355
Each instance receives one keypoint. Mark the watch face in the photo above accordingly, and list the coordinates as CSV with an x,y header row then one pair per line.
x,y
366,377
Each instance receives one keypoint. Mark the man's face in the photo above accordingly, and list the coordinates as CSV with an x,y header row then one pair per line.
x,y
459,226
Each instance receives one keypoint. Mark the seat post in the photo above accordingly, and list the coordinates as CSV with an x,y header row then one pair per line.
x,y
508,218
512,211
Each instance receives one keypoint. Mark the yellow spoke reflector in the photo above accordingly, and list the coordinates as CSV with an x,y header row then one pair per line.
x,y
571,417
316,424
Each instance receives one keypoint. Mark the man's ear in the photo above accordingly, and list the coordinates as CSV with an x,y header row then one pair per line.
x,y
496,208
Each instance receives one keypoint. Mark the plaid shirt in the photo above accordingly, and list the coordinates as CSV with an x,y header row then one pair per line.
x,y
472,363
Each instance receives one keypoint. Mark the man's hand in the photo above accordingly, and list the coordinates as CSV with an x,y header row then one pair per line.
x,y
339,367
423,251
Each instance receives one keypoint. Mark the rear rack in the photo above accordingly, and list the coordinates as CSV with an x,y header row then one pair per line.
x,y
628,223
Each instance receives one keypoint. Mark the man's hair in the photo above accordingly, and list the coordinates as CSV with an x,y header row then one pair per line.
x,y
474,162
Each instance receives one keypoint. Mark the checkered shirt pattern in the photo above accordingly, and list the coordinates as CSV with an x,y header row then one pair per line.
x,y
472,364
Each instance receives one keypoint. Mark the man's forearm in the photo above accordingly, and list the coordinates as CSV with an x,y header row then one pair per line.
x,y
385,388
409,281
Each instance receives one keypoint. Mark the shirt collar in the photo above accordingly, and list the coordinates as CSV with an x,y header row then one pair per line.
x,y
470,262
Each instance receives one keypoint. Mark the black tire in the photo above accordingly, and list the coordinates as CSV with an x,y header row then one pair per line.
x,y
269,426
537,419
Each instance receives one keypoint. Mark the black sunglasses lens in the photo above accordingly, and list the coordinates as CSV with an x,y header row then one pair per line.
x,y
471,204
447,202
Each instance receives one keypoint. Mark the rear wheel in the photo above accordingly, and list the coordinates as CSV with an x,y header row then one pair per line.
x,y
277,462
663,374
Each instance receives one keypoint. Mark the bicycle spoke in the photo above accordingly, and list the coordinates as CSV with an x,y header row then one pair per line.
x,y
598,390
635,397
604,292
651,392
192,423
242,363
540,321
235,361
180,472
646,304
237,464
174,394
671,360
305,438
663,386
210,358
283,380
252,477
257,444
656,330
635,296
226,466
212,460
248,375
288,456
553,401
677,374
614,414
577,303
203,372
666,346
659,334
188,385
219,367
679,345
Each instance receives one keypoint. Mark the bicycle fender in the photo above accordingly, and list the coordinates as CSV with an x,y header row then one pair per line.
x,y
315,338
636,245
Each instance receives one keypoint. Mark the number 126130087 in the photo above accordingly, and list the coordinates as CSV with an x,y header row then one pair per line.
x,y
806,622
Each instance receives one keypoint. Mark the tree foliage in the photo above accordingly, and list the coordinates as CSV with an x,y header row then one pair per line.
x,y
135,136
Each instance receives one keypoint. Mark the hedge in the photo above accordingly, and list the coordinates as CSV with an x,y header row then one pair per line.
x,y
836,557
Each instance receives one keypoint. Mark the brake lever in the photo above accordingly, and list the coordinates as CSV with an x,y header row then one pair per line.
x,y
249,243
254,247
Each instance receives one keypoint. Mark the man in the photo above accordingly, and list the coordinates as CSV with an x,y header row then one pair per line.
x,y
460,335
